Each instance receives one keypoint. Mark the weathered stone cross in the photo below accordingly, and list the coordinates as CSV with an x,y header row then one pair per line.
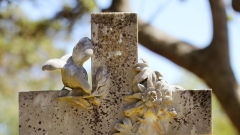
x,y
115,39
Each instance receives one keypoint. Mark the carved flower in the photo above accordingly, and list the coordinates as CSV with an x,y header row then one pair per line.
x,y
152,99
144,73
150,103
150,106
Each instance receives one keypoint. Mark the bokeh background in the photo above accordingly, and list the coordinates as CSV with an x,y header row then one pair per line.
x,y
31,32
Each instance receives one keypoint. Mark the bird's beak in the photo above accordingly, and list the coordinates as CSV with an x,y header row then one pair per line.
x,y
89,52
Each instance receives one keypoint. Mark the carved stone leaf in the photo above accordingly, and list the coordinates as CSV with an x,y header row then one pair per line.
x,y
120,127
158,85
159,95
140,66
139,105
84,103
155,110
96,101
144,60
127,122
140,77
117,134
102,81
158,74
164,85
135,108
150,83
135,128
101,77
137,95
125,128
100,91
130,111
153,76
130,98
141,87
149,103
99,73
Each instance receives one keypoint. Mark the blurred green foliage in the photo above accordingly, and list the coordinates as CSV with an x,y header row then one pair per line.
x,y
221,123
25,45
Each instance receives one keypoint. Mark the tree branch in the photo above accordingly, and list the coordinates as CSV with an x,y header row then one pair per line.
x,y
222,78
212,63
236,5
219,19
163,44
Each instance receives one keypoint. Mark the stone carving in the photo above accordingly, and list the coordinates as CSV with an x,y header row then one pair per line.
x,y
74,75
148,104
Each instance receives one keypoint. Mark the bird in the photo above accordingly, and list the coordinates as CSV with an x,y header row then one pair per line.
x,y
74,75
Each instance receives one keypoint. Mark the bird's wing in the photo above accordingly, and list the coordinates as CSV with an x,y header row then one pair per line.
x,y
53,64
66,57
81,77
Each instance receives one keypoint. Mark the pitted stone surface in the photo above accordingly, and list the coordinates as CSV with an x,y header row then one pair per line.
x,y
41,113
194,113
114,37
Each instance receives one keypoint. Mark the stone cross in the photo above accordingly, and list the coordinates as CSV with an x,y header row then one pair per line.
x,y
115,39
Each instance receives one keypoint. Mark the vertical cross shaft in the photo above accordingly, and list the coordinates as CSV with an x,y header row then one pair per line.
x,y
114,37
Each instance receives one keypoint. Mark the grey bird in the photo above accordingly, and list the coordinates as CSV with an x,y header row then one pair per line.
x,y
74,75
